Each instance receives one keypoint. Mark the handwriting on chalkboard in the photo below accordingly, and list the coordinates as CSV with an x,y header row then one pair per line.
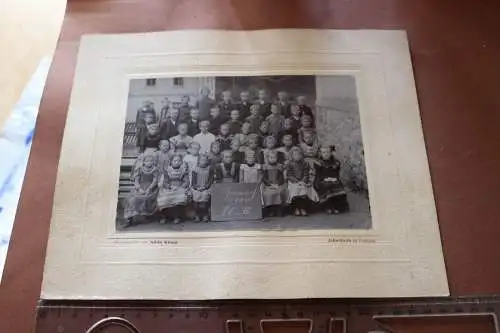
x,y
236,201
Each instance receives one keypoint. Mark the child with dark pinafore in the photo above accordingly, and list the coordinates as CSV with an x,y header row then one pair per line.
x,y
145,115
202,178
300,189
286,149
330,189
174,184
234,123
288,129
275,120
273,185
238,154
151,138
224,138
227,171
263,132
142,201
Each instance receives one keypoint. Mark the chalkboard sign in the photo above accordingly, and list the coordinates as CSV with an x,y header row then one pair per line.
x,y
236,202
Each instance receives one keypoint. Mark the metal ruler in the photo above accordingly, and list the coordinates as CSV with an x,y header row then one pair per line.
x,y
253,316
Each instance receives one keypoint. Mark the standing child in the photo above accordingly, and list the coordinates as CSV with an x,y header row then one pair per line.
x,y
204,138
309,139
202,178
224,137
295,117
300,189
286,149
263,132
214,155
275,120
262,102
142,201
270,145
250,171
145,115
151,139
306,124
243,136
181,141
330,188
172,198
216,120
228,171
234,123
244,104
238,155
226,106
254,119
193,122
254,146
274,189
164,155
191,158
184,109
283,103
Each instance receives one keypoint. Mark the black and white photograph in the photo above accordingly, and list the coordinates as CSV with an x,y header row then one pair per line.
x,y
243,153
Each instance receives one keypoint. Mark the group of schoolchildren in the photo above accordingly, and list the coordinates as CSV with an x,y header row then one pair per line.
x,y
185,150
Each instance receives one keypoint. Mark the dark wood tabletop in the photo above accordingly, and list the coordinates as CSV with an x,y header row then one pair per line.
x,y
455,47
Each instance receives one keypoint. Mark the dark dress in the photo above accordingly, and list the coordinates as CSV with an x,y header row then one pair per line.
x,y
227,173
204,104
215,124
202,179
275,124
293,133
193,126
264,108
184,113
149,141
244,108
273,185
140,123
224,141
234,126
254,122
239,157
284,109
328,182
226,108
306,110
296,123
168,129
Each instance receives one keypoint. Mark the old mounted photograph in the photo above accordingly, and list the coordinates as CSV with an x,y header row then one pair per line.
x,y
242,153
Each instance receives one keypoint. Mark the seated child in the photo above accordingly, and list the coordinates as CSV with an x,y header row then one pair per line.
x,y
270,145
214,156
151,137
330,188
234,123
181,141
243,136
238,155
250,171
224,138
142,200
273,188
300,189
172,198
254,119
254,147
228,171
286,149
202,177
275,120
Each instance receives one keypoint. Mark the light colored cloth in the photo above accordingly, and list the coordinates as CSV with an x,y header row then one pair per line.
x,y
173,190
205,141
300,190
250,174
274,195
142,200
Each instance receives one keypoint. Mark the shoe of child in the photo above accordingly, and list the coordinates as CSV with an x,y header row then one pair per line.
x,y
336,211
197,218
303,212
297,212
177,220
206,219
328,211
163,221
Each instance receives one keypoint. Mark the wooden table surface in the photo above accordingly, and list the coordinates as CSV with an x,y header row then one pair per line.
x,y
456,56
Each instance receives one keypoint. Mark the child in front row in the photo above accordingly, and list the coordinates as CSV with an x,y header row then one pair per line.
x,y
330,188
191,158
273,185
202,178
174,184
300,188
228,171
250,171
